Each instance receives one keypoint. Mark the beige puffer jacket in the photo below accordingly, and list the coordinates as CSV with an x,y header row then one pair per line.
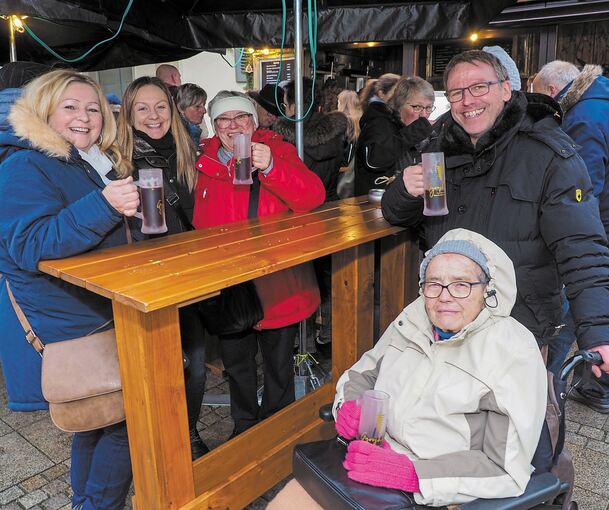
x,y
468,410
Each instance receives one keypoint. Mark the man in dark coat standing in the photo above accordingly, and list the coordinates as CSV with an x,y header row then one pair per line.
x,y
584,99
515,177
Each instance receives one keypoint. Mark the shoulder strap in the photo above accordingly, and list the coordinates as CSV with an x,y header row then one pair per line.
x,y
252,207
30,336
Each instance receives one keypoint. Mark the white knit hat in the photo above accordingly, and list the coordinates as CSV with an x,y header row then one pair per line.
x,y
508,63
241,103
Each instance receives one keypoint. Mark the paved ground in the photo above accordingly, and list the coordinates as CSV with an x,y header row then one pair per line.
x,y
34,455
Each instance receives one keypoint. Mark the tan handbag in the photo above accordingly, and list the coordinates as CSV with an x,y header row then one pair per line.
x,y
80,378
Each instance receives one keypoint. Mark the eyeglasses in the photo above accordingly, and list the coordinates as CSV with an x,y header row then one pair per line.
x,y
458,290
418,108
241,120
476,90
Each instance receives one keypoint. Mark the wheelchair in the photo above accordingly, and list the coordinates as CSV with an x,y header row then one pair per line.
x,y
318,467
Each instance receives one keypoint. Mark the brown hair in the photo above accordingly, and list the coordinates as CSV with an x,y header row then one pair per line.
x,y
382,84
185,151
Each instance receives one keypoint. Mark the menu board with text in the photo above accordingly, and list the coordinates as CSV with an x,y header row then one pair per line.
x,y
270,71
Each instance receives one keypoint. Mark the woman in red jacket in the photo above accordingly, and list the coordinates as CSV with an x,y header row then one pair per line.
x,y
282,183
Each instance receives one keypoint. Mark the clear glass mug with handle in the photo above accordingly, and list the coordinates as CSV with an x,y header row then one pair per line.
x,y
373,419
242,147
152,201
434,180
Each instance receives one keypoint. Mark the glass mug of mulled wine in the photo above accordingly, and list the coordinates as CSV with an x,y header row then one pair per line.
x,y
434,181
373,419
242,151
152,201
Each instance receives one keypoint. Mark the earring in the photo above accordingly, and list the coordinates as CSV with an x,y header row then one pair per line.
x,y
100,140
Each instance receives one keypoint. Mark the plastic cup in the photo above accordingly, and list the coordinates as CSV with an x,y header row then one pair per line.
x,y
434,180
373,420
242,150
152,200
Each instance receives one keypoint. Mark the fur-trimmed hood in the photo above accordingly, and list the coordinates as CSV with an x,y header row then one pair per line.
x,y
30,128
579,86
319,128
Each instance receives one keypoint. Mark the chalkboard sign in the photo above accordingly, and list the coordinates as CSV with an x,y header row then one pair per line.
x,y
270,71
443,54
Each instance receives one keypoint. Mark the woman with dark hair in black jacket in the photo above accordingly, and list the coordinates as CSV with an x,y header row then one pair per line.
x,y
152,134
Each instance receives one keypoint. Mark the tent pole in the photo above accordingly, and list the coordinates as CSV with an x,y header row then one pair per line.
x,y
11,40
298,74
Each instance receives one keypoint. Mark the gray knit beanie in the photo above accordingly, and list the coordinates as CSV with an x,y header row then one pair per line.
x,y
462,247
508,63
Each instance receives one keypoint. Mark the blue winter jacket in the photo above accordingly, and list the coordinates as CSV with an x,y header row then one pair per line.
x,y
51,207
586,120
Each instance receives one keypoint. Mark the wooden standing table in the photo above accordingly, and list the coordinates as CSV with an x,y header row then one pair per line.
x,y
148,282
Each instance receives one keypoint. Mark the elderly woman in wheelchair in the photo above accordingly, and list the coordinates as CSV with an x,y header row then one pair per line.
x,y
467,385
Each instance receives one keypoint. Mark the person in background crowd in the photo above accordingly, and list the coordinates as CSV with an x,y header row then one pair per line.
x,y
515,177
57,147
466,382
170,76
190,100
413,98
152,135
266,104
349,105
328,101
281,183
324,135
379,146
13,76
584,99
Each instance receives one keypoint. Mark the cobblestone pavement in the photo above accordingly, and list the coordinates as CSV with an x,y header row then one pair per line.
x,y
35,456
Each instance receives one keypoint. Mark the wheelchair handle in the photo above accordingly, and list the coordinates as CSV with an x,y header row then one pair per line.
x,y
590,357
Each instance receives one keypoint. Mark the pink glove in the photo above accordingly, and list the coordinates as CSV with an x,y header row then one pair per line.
x,y
347,419
381,467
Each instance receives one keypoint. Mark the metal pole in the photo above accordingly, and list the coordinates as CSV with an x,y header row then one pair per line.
x,y
11,40
298,74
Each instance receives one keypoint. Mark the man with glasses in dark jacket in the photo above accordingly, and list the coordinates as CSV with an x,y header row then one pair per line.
x,y
515,177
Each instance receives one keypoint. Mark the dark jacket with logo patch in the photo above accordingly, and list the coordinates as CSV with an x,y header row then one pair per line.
x,y
524,187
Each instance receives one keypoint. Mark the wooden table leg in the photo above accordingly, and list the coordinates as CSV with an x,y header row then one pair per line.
x,y
399,275
352,306
155,405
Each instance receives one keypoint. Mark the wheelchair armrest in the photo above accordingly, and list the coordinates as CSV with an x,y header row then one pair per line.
x,y
541,488
325,412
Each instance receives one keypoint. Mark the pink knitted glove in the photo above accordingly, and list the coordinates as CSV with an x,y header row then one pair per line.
x,y
381,467
347,419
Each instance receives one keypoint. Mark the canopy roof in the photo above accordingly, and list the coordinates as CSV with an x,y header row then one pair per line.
x,y
165,30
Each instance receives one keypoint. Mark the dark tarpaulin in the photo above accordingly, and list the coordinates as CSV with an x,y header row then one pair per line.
x,y
163,30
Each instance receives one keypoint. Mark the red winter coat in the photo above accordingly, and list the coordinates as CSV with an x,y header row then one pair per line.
x,y
287,296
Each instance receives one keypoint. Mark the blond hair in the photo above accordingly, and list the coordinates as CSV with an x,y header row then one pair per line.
x,y
185,150
348,103
41,98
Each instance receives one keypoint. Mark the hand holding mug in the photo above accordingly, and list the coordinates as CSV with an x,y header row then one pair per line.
x,y
261,156
413,180
123,196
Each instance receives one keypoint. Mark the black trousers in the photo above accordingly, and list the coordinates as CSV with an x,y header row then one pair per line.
x,y
193,344
239,358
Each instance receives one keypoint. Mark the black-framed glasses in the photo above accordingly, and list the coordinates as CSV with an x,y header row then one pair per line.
x,y
241,120
458,290
418,108
476,90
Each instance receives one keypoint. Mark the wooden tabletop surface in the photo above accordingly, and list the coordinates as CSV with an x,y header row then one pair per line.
x,y
161,272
